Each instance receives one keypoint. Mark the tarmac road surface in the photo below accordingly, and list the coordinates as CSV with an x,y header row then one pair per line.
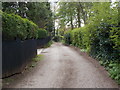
x,y
63,67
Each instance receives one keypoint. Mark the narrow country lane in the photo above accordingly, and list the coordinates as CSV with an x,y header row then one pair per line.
x,y
63,67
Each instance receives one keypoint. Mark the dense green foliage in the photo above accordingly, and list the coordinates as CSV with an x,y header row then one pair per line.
x,y
71,13
38,12
100,37
42,33
42,14
15,27
67,37
113,67
99,45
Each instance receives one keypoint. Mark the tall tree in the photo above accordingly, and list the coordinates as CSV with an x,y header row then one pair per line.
x,y
74,12
39,12
67,13
9,7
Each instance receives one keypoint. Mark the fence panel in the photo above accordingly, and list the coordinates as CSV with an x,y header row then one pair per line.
x,y
42,42
16,54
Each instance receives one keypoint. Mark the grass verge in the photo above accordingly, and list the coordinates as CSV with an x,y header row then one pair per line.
x,y
36,59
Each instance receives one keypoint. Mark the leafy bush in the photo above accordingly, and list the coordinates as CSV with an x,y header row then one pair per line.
x,y
97,40
102,45
114,71
16,27
113,67
67,37
80,37
115,37
102,42
100,37
42,33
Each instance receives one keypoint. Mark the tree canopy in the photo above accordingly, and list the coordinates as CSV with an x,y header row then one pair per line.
x,y
39,12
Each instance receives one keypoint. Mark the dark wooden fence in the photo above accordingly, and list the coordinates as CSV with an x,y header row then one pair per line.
x,y
16,54
42,42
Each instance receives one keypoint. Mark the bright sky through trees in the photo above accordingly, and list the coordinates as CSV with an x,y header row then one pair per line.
x,y
54,8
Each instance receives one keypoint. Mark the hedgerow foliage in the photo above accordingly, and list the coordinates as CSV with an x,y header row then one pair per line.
x,y
100,44
67,37
101,38
14,26
42,33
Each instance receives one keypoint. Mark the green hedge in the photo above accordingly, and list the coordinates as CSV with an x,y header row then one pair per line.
x,y
42,33
100,37
101,41
15,27
67,37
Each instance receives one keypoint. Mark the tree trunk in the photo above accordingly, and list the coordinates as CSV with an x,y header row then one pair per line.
x,y
78,16
71,20
85,18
